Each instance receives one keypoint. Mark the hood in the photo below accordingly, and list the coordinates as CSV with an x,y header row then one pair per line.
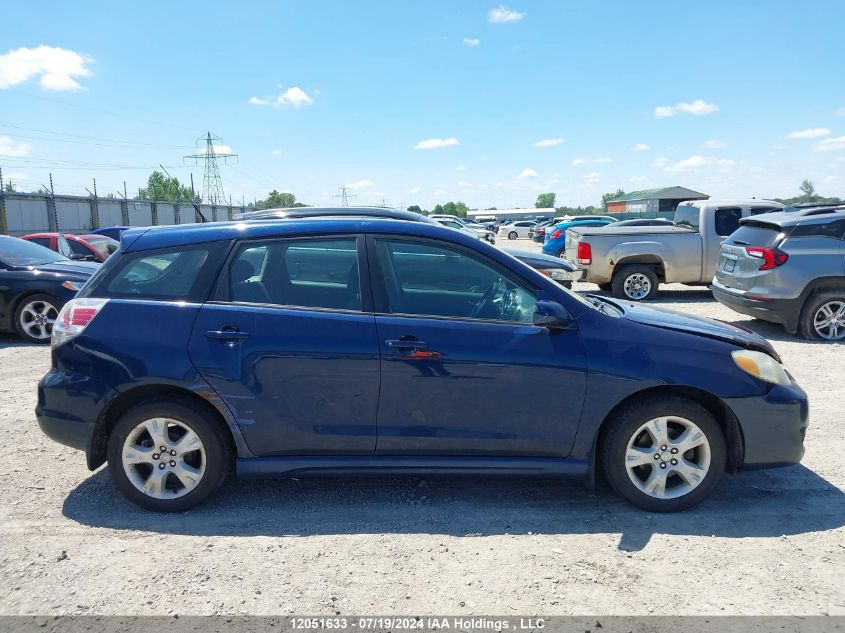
x,y
79,270
701,326
539,260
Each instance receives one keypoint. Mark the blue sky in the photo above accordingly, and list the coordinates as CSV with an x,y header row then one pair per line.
x,y
425,102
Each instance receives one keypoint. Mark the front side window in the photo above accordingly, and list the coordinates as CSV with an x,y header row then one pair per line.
x,y
432,280
311,273
78,248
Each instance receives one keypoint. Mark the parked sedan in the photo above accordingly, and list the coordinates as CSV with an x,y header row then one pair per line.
x,y
344,345
89,247
516,230
35,282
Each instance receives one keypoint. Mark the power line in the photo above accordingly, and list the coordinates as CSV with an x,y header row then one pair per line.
x,y
344,196
212,184
95,141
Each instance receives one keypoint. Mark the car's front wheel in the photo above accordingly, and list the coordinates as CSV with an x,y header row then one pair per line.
x,y
35,317
167,456
663,454
823,317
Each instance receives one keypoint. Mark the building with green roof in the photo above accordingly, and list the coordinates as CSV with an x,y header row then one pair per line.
x,y
651,202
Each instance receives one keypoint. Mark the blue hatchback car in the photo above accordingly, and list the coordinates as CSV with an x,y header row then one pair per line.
x,y
555,243
345,345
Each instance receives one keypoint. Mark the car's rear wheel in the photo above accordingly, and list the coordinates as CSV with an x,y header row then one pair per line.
x,y
663,454
35,316
823,317
168,457
635,283
513,235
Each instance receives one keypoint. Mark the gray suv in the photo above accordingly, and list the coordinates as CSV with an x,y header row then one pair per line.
x,y
788,268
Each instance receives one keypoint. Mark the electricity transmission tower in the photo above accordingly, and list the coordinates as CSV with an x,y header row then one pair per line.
x,y
344,196
212,184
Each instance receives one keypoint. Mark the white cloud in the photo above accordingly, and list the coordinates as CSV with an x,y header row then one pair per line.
x,y
10,147
293,97
527,173
831,178
219,149
810,132
550,142
461,168
276,152
437,143
414,190
640,147
464,183
503,15
439,192
660,161
600,159
697,108
714,144
592,178
840,112
831,144
360,184
638,179
57,67
471,41
697,162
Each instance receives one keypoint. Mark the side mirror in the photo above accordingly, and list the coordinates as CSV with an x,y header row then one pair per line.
x,y
77,257
552,315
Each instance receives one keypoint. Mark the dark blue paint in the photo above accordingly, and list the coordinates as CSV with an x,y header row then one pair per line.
x,y
321,389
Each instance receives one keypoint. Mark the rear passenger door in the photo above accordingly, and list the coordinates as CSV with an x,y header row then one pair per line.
x,y
288,340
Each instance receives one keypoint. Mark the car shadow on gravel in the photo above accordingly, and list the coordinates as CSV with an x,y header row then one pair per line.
x,y
13,340
766,504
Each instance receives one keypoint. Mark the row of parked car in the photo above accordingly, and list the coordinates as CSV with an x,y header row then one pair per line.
x,y
783,265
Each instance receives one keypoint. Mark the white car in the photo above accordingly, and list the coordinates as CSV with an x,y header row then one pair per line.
x,y
518,229
475,229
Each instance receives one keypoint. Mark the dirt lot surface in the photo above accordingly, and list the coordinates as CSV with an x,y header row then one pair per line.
x,y
767,542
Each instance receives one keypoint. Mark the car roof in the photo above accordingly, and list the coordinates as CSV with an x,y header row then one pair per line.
x,y
184,234
793,218
304,212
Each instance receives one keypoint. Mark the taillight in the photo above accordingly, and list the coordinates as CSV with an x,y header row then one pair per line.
x,y
74,317
556,234
771,257
585,253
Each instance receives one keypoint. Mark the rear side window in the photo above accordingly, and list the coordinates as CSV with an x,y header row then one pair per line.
x,y
759,235
828,229
310,273
726,220
183,273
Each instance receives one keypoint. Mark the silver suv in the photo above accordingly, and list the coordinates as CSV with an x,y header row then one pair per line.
x,y
788,268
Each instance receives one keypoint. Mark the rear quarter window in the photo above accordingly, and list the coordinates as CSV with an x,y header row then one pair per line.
x,y
183,273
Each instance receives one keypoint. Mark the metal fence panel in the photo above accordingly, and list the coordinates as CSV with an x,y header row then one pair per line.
x,y
110,212
74,215
208,211
26,215
187,215
140,213
166,212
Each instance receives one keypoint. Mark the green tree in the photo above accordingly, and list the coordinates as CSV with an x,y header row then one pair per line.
x,y
415,208
545,201
609,197
8,187
165,188
459,209
437,209
808,191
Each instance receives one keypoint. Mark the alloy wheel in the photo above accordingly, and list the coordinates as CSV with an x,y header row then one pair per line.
x,y
163,458
829,320
668,457
37,319
637,286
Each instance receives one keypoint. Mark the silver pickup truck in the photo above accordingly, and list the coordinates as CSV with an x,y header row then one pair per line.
x,y
631,261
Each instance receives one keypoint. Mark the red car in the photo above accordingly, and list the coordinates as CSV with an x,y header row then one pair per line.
x,y
93,248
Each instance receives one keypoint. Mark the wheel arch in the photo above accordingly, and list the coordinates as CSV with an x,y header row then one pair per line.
x,y
723,415
127,400
653,261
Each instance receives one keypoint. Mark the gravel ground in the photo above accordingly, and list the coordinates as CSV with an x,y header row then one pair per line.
x,y
769,542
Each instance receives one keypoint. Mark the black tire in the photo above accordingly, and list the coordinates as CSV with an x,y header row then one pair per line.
x,y
513,235
606,287
623,273
619,432
806,325
561,253
216,441
51,306
566,284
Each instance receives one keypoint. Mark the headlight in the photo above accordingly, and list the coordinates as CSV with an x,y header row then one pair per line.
x,y
73,286
761,366
557,274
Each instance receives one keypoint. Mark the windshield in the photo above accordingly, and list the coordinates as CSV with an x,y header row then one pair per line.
x,y
686,215
105,246
17,252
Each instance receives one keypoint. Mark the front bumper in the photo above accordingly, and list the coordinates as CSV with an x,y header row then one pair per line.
x,y
773,426
783,311
69,406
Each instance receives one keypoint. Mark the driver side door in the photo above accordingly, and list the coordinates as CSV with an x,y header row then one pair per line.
x,y
463,369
